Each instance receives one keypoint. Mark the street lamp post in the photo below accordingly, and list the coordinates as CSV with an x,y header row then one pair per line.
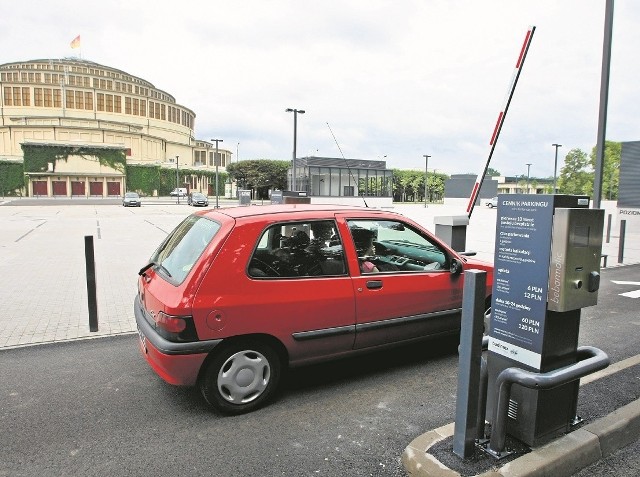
x,y
295,134
528,169
177,183
555,167
426,165
216,160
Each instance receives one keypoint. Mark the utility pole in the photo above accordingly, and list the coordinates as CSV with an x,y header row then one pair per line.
x,y
555,168
217,161
426,188
604,101
177,179
295,134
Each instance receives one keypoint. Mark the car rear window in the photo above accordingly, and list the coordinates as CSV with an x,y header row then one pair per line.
x,y
181,249
298,249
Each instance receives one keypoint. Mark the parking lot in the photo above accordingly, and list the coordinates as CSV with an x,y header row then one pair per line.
x,y
43,277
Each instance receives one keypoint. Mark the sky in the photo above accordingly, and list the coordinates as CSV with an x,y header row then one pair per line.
x,y
389,80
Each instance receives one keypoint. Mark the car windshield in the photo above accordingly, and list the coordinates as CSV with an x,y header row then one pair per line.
x,y
177,254
131,195
197,196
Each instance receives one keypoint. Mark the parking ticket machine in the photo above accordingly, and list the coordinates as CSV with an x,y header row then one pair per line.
x,y
547,267
576,247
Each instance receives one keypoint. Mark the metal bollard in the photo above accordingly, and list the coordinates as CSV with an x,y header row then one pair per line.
x,y
623,228
91,282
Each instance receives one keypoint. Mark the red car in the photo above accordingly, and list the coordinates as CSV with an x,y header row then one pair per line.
x,y
234,296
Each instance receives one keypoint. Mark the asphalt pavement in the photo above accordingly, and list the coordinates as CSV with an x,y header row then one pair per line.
x,y
44,291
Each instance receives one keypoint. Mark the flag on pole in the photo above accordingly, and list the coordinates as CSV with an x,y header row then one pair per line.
x,y
75,43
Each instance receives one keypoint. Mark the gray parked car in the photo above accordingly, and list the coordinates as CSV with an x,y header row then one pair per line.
x,y
131,199
198,199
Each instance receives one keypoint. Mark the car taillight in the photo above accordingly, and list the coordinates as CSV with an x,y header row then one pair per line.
x,y
175,328
172,324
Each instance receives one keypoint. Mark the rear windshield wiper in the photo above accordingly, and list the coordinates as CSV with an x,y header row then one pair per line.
x,y
153,264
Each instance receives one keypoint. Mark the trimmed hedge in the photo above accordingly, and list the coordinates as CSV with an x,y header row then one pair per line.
x,y
11,178
145,179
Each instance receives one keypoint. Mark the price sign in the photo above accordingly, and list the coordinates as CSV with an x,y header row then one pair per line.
x,y
521,276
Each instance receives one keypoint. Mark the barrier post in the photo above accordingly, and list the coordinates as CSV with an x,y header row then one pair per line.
x,y
470,350
91,283
623,228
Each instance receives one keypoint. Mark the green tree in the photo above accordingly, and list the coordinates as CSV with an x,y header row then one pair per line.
x,y
401,180
491,172
408,186
436,187
260,174
610,168
576,176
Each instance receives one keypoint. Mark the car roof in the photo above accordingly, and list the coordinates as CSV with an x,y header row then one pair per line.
x,y
256,211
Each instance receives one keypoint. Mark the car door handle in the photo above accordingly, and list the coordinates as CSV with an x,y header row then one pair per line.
x,y
374,284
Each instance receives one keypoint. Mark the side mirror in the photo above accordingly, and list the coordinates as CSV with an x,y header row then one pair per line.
x,y
455,267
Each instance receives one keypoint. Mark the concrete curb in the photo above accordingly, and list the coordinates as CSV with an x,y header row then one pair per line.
x,y
562,457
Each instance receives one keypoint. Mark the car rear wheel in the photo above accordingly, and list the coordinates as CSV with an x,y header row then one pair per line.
x,y
241,377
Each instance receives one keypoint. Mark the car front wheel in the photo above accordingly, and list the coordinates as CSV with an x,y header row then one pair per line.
x,y
241,377
487,318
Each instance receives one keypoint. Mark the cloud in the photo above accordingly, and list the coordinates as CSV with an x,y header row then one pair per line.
x,y
394,79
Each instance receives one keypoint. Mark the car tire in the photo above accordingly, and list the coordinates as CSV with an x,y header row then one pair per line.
x,y
487,317
241,377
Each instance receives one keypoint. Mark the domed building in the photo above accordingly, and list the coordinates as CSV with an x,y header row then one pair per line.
x,y
74,124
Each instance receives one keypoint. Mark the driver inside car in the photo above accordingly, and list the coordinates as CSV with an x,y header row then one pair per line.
x,y
363,240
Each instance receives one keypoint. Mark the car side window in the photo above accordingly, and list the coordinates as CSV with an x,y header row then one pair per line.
x,y
389,246
298,249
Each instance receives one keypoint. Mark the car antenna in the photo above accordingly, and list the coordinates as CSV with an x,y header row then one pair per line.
x,y
346,163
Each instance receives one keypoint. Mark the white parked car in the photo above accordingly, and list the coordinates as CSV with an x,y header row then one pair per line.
x,y
178,192
491,203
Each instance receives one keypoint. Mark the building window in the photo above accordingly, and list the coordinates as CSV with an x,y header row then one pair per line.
x,y
117,103
37,96
127,105
151,112
7,96
136,106
109,102
100,101
17,98
48,97
79,100
88,101
70,99
143,107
